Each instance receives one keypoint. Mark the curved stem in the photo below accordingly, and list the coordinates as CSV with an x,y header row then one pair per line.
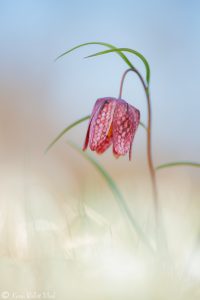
x,y
122,81
149,143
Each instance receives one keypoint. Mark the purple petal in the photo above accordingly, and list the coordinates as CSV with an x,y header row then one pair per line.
x,y
100,128
105,145
98,103
125,122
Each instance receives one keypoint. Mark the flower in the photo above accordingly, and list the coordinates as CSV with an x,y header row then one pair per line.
x,y
113,121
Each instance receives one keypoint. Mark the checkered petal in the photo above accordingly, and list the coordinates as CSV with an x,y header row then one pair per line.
x,y
104,145
96,107
100,137
125,122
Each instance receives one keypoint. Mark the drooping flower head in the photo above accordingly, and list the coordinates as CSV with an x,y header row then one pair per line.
x,y
113,122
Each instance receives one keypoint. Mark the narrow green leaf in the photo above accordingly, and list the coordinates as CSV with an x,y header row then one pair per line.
x,y
143,126
178,163
138,54
116,193
101,44
65,131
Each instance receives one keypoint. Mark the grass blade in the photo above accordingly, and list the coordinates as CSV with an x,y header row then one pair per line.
x,y
65,131
178,163
143,126
138,54
101,44
116,193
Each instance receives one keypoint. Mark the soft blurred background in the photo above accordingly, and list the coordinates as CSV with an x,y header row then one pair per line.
x,y
62,234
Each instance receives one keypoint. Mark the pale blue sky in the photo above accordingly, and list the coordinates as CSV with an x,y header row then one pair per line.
x,y
33,33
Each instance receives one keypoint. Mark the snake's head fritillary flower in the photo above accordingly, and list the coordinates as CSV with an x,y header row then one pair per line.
x,y
113,121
